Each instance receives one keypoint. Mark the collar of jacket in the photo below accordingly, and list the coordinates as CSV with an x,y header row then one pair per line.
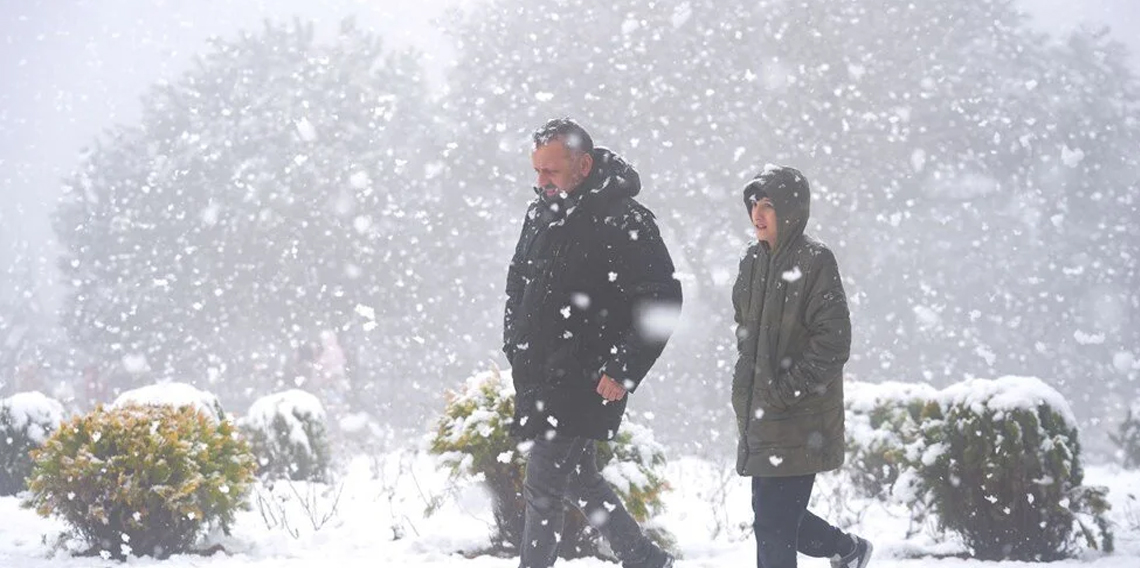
x,y
558,207
611,178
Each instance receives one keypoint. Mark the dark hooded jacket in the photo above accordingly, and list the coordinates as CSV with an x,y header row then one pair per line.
x,y
793,337
590,290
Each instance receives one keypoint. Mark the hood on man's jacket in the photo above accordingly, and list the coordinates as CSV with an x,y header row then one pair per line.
x,y
790,194
612,176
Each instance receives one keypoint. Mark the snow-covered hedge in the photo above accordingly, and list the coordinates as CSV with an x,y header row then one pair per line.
x,y
634,464
472,438
882,420
26,421
142,480
175,395
998,461
287,433
1127,438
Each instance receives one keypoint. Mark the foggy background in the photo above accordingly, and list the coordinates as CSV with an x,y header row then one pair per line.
x,y
307,197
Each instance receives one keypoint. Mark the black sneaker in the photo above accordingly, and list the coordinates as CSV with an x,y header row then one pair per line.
x,y
858,557
657,559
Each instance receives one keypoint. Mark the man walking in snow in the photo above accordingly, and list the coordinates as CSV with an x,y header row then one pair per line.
x,y
793,336
588,290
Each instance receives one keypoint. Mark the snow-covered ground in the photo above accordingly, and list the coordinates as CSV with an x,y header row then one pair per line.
x,y
380,520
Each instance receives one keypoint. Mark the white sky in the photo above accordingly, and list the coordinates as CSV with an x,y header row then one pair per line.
x,y
71,69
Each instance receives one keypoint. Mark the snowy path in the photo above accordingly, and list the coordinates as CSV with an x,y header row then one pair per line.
x,y
361,533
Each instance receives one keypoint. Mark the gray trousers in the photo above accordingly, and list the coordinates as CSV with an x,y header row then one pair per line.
x,y
564,470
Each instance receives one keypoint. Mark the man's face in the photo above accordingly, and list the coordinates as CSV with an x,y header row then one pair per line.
x,y
559,169
764,219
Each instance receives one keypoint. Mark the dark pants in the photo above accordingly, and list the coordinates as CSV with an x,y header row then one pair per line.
x,y
563,470
784,525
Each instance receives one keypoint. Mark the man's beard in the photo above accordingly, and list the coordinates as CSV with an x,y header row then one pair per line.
x,y
549,190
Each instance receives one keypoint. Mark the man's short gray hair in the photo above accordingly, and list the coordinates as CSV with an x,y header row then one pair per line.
x,y
569,132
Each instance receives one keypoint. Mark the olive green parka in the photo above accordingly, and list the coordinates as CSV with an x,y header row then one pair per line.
x,y
793,337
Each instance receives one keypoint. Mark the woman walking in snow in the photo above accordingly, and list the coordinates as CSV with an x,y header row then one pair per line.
x,y
793,336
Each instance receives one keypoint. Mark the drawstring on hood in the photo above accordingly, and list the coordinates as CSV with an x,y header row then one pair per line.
x,y
790,194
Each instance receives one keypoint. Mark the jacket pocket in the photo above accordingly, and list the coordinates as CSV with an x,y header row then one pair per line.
x,y
776,432
766,396
564,364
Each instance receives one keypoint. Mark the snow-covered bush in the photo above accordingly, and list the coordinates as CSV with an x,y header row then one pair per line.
x,y
882,420
287,433
175,395
634,464
472,438
998,461
142,480
1127,438
26,421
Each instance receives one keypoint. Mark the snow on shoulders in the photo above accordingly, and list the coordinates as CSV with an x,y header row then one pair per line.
x,y
1008,393
172,394
35,411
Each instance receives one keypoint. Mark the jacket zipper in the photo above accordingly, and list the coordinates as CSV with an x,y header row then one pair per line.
x,y
752,383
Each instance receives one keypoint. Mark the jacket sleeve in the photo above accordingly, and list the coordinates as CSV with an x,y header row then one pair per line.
x,y
741,289
643,271
738,291
515,286
828,324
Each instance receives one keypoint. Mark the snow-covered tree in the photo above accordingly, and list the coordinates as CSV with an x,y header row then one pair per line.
x,y
279,192
964,167
29,344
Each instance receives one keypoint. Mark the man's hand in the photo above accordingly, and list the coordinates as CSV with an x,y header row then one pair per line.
x,y
610,389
